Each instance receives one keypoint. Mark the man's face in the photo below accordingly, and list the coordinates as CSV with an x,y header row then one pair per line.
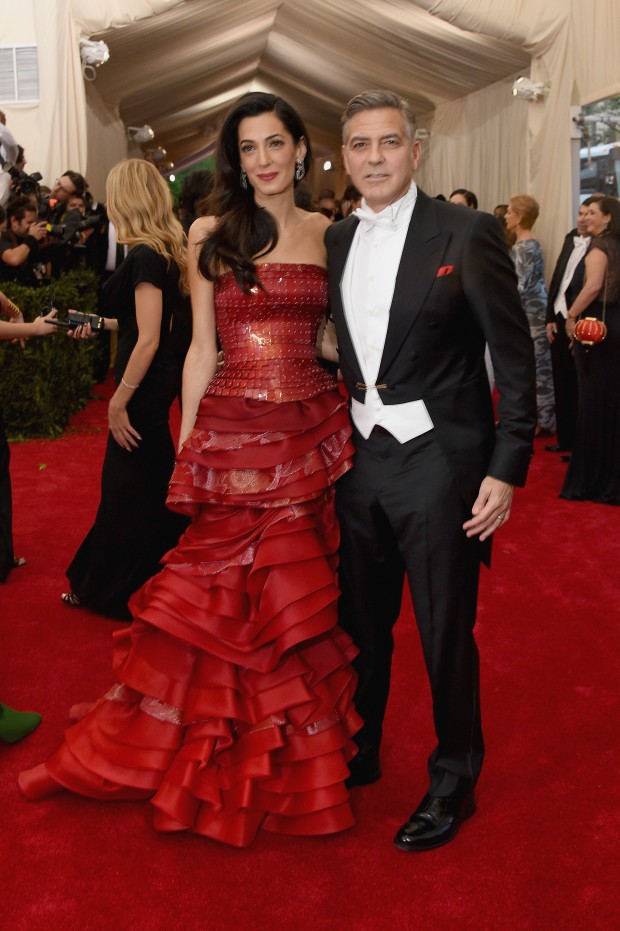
x,y
76,203
582,227
459,199
379,156
327,205
63,189
21,227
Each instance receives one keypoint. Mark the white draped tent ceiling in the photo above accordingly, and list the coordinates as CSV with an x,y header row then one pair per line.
x,y
177,65
180,70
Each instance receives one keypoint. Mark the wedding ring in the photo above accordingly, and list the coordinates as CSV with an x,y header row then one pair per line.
x,y
500,518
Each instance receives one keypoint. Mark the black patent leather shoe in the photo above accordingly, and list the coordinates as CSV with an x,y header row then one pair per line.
x,y
363,771
435,821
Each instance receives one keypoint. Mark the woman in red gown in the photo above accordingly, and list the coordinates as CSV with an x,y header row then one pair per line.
x,y
233,703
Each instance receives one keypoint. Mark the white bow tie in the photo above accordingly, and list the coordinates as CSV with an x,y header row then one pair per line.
x,y
369,219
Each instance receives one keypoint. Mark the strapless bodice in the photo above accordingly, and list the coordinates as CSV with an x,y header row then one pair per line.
x,y
269,336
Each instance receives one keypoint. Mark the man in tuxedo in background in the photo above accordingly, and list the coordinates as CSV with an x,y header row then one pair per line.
x,y
416,289
566,283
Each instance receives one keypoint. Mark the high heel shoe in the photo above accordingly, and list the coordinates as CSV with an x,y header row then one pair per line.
x,y
36,783
71,599
14,725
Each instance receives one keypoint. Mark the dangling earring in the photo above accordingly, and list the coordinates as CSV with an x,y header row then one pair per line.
x,y
244,179
299,170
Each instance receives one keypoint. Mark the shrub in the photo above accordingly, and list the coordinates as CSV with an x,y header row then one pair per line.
x,y
42,385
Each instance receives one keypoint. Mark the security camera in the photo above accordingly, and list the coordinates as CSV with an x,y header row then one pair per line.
x,y
157,154
141,134
93,54
530,90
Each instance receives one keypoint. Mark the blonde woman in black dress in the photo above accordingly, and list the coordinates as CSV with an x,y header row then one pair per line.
x,y
133,527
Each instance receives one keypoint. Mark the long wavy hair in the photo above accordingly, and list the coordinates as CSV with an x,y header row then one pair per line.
x,y
245,231
139,205
610,207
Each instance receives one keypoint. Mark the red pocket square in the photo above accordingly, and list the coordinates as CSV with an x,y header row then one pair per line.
x,y
444,270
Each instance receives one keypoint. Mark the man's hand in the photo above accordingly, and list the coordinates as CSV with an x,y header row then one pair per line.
x,y
491,508
552,330
38,230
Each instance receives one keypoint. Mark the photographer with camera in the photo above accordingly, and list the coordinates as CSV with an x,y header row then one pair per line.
x,y
70,213
23,256
54,207
21,182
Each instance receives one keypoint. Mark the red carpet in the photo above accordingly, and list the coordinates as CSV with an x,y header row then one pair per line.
x,y
540,853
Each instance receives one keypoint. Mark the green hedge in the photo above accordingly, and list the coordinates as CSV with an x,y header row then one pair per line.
x,y
42,385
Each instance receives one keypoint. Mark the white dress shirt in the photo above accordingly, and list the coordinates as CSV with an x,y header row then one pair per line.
x,y
367,289
580,245
111,259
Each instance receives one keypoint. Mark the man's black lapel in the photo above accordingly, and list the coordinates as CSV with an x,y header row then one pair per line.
x,y
424,249
340,239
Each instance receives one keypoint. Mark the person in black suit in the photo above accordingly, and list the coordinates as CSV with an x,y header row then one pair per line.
x,y
565,285
416,289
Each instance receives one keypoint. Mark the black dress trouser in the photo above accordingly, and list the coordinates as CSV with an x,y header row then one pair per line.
x,y
400,514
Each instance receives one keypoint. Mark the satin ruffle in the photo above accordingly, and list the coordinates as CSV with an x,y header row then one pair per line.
x,y
234,708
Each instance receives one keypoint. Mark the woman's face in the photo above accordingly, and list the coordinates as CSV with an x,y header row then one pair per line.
x,y
268,153
596,221
512,218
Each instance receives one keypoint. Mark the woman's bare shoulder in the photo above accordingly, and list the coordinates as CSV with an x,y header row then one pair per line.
x,y
316,220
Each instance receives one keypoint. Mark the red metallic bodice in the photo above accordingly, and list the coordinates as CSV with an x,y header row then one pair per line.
x,y
269,337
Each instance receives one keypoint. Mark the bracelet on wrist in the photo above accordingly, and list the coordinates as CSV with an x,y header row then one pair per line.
x,y
12,309
127,385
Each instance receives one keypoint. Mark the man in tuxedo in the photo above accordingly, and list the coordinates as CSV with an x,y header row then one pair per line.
x,y
416,289
566,284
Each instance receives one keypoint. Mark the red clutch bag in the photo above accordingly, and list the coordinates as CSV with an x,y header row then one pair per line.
x,y
590,331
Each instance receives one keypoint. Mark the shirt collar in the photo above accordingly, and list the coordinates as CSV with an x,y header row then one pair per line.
x,y
391,217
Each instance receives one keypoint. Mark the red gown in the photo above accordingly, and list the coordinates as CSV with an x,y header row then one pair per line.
x,y
233,708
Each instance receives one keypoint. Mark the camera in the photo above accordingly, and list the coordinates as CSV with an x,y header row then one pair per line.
x,y
74,224
75,319
24,183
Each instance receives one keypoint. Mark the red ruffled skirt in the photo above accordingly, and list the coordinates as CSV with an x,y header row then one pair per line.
x,y
233,708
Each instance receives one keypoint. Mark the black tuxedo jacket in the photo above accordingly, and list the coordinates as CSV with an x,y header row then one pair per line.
x,y
455,291
576,283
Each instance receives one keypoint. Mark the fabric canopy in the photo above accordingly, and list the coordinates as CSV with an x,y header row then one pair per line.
x,y
176,65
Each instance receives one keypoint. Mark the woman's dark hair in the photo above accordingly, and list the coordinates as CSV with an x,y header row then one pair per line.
x,y
610,206
470,198
197,185
245,231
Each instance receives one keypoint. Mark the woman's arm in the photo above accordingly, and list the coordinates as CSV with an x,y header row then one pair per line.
x,y
16,329
38,327
201,359
596,266
148,317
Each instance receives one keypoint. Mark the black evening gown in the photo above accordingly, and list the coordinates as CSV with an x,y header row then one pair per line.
x,y
594,469
133,527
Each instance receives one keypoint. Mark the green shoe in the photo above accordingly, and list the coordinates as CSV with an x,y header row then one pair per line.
x,y
16,724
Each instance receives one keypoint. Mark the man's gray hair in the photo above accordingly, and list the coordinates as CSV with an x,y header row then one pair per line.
x,y
377,100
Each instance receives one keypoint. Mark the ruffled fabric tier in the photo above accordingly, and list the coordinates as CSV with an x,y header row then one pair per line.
x,y
234,704
286,453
